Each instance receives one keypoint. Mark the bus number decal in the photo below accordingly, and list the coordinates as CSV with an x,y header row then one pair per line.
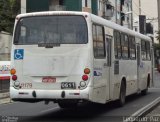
x,y
26,85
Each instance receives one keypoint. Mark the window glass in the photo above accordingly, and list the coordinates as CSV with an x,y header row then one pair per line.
x,y
117,44
143,50
51,30
125,49
148,51
98,42
132,47
124,44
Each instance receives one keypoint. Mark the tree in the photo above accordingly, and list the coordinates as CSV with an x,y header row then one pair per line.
x,y
8,11
158,36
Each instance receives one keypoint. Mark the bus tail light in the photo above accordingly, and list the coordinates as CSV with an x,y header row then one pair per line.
x,y
13,71
85,77
14,77
86,70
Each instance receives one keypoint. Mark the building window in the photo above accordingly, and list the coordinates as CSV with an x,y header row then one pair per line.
x,y
136,29
86,3
98,42
61,2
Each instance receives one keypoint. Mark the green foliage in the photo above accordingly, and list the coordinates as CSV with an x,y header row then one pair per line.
x,y
8,11
156,46
158,36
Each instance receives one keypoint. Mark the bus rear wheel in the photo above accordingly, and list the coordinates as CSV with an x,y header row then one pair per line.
x,y
122,95
145,91
67,104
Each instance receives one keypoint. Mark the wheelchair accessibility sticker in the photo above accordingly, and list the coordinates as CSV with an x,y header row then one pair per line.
x,y
18,54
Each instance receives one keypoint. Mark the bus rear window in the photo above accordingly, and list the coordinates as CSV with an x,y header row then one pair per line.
x,y
51,30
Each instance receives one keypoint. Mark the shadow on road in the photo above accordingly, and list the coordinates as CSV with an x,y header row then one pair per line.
x,y
84,112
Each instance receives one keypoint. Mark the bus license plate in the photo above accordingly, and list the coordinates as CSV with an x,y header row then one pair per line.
x,y
68,85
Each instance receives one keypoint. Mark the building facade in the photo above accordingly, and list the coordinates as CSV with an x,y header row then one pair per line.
x,y
113,10
149,9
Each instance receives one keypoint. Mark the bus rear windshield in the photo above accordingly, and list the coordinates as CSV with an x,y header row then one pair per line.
x,y
51,30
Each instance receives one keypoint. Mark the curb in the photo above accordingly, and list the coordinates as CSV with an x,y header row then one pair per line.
x,y
143,111
4,98
5,101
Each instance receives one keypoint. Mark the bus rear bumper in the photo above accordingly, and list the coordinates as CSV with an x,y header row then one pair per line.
x,y
48,94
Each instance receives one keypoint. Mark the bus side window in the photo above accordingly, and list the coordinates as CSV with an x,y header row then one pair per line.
x,y
124,46
132,48
143,50
117,44
98,42
148,50
108,49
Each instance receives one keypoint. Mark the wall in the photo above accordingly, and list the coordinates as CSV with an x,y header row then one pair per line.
x,y
5,46
37,5
73,5
5,49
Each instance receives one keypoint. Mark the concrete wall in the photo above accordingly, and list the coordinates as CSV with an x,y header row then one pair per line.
x,y
5,49
23,6
5,46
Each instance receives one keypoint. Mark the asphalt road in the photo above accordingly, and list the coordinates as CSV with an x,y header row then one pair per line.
x,y
33,112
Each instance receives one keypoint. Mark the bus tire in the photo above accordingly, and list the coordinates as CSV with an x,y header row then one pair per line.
x,y
67,104
145,91
122,95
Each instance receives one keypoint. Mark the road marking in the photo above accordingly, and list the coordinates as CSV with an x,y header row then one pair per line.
x,y
47,110
142,111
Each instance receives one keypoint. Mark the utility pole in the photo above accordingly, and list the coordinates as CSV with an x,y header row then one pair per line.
x,y
140,7
158,6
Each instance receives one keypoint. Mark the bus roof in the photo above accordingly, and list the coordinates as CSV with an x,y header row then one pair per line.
x,y
94,18
115,26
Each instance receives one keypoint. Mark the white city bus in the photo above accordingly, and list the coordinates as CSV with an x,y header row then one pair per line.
x,y
72,57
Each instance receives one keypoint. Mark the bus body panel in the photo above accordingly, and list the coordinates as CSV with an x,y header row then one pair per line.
x,y
66,63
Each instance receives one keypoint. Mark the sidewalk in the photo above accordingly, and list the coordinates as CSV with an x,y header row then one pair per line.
x,y
154,114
